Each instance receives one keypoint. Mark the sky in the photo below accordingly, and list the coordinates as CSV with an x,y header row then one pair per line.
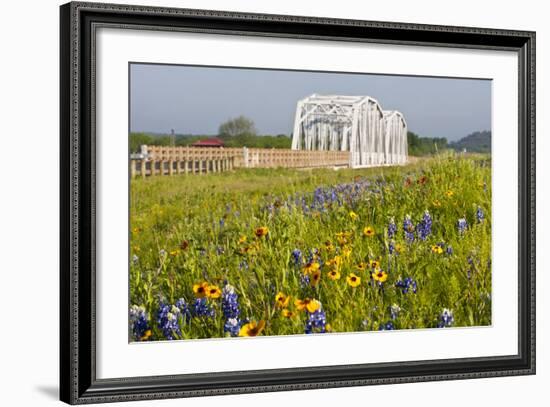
x,y
196,100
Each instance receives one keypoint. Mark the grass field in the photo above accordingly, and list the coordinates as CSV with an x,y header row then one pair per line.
x,y
277,252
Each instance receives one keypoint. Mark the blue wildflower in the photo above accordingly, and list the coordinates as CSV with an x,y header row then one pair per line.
x,y
424,227
479,214
408,228
297,257
462,224
392,229
201,308
406,285
450,250
446,318
230,302
167,321
388,326
232,326
316,322
138,322
183,307
391,248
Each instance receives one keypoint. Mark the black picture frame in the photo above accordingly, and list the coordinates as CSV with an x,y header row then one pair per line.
x,y
78,382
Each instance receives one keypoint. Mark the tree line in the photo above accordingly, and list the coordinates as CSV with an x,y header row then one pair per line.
x,y
241,132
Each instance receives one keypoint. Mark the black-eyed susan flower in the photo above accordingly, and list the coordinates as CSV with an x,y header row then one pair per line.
x,y
315,278
399,248
214,292
253,328
449,193
336,261
334,274
201,290
282,300
262,231
374,264
361,266
287,313
309,304
379,275
329,247
346,252
311,267
242,239
368,231
437,249
353,280
353,215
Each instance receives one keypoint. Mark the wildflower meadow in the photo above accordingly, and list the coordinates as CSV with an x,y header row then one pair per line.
x,y
284,251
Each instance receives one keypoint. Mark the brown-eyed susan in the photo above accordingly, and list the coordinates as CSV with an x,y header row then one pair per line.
x,y
336,261
262,231
368,231
282,300
361,266
315,278
253,328
353,215
214,291
379,275
346,252
449,193
329,247
287,313
437,249
309,304
311,267
201,290
353,280
343,238
374,264
399,248
334,274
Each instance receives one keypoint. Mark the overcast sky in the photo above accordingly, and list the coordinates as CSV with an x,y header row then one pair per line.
x,y
196,100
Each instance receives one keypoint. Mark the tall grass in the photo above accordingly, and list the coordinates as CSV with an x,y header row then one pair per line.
x,y
188,230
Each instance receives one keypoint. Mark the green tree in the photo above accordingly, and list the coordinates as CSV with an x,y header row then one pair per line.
x,y
237,127
138,139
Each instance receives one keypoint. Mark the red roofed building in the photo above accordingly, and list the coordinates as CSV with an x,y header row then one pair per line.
x,y
209,142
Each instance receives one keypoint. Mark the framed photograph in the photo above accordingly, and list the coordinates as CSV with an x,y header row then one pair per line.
x,y
255,203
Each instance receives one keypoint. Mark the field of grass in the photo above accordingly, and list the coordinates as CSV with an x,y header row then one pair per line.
x,y
277,252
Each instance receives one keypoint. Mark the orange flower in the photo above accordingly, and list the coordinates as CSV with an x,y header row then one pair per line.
x,y
282,300
214,291
201,290
261,231
311,305
252,328
353,280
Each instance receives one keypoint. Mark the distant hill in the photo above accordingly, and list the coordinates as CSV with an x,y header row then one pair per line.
x,y
477,142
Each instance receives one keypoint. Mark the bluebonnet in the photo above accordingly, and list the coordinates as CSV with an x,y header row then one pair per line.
x,y
316,322
446,318
184,309
388,326
230,302
406,285
304,280
394,311
138,321
222,223
462,224
202,309
231,311
297,257
424,227
391,247
232,326
392,229
408,228
479,214
450,250
168,321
